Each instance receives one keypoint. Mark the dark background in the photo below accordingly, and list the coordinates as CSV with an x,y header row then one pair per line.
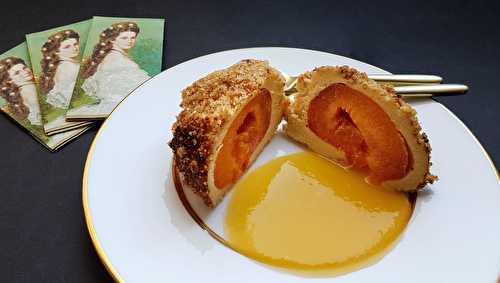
x,y
43,237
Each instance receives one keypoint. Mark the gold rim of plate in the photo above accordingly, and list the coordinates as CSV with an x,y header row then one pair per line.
x,y
88,220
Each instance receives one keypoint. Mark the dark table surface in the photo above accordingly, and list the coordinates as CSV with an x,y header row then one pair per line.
x,y
43,237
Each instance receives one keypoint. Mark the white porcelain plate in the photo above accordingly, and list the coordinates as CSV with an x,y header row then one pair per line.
x,y
143,233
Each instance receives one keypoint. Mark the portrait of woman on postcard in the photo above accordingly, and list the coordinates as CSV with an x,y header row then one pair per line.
x,y
60,65
110,74
17,88
21,100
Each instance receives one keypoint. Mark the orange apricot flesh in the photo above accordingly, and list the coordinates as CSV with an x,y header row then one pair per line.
x,y
243,136
358,126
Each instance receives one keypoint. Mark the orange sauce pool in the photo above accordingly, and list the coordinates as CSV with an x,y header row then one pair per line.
x,y
305,214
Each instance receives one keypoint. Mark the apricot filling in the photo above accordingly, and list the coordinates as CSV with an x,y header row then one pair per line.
x,y
243,136
358,126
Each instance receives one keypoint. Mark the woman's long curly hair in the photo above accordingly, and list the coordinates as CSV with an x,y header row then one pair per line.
x,y
10,91
104,46
50,60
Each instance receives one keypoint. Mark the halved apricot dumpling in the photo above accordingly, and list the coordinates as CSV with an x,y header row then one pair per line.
x,y
341,114
226,120
243,136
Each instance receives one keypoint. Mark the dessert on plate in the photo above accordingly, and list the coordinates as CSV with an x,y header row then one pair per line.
x,y
341,114
226,120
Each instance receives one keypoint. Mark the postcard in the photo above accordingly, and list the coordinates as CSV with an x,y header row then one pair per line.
x,y
19,98
55,55
120,55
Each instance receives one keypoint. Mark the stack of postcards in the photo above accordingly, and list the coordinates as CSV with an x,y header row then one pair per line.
x,y
58,82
